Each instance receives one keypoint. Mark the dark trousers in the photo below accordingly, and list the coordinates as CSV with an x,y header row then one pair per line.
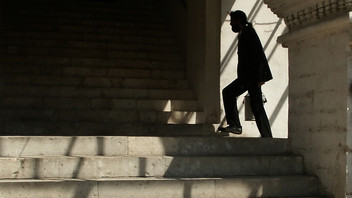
x,y
230,94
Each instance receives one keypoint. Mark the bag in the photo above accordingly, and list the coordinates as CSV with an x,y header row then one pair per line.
x,y
248,114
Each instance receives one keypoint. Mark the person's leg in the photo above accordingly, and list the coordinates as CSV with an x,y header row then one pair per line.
x,y
261,119
230,94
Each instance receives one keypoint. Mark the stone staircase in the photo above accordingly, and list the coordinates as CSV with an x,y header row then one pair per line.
x,y
95,103
116,166
93,68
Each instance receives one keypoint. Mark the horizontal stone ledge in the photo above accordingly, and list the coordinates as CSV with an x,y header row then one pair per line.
x,y
93,92
284,186
87,167
21,146
118,116
56,128
77,71
99,103
104,82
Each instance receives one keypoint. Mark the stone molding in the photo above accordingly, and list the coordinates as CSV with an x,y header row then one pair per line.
x,y
300,13
318,30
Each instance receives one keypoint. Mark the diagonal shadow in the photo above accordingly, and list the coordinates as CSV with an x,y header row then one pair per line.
x,y
272,34
276,46
70,146
278,107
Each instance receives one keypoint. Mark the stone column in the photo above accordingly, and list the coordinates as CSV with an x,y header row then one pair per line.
x,y
320,94
203,55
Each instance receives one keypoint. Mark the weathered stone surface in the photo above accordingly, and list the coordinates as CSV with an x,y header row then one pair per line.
x,y
87,167
320,79
173,188
29,146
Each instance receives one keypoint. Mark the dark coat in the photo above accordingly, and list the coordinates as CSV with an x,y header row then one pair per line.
x,y
252,66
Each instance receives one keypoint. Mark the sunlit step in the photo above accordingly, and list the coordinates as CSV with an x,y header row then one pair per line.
x,y
241,187
98,167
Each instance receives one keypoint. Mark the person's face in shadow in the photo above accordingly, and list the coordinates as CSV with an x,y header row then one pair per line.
x,y
236,26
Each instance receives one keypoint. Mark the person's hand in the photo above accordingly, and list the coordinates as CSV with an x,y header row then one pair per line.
x,y
260,84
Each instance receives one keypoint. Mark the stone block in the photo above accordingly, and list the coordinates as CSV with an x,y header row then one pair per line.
x,y
135,73
152,187
159,188
152,166
52,61
266,187
231,166
10,167
168,74
48,189
84,71
153,146
178,117
160,105
63,146
97,82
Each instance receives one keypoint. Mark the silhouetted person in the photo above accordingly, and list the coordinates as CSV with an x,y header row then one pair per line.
x,y
252,72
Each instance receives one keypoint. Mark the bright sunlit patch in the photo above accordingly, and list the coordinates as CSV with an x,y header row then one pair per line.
x,y
167,106
181,117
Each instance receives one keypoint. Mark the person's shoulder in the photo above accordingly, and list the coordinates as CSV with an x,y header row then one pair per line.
x,y
249,29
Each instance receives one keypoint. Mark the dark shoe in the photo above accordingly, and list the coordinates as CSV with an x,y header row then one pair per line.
x,y
231,129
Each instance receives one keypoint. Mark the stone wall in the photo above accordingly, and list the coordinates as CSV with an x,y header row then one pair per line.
x,y
198,26
320,79
349,117
317,118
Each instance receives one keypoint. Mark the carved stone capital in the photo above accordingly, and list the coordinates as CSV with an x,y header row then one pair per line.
x,y
301,13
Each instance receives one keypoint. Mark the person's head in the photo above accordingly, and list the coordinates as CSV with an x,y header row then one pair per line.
x,y
238,20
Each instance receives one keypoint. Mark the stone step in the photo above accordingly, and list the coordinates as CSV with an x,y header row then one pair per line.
x,y
56,128
80,11
112,31
90,53
84,8
98,104
15,45
38,146
94,22
241,187
99,167
87,3
91,62
93,92
77,36
119,116
7,69
83,81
